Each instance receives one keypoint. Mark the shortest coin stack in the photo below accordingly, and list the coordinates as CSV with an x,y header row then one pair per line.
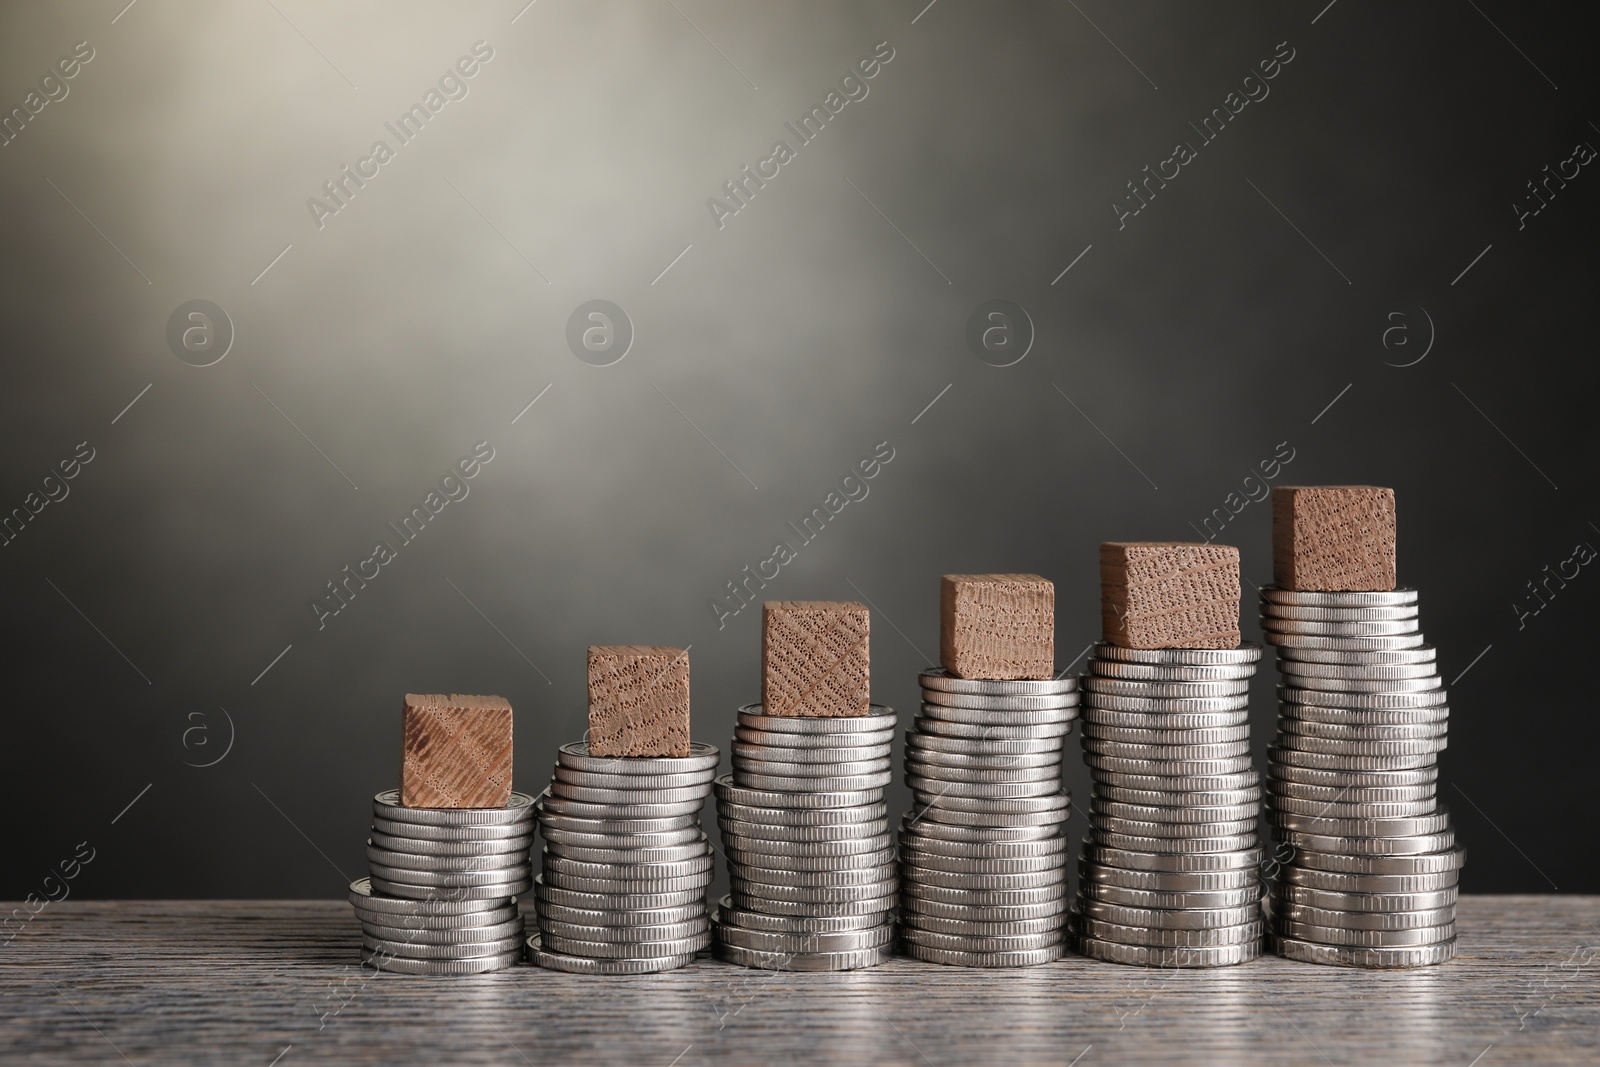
x,y
441,897
626,864
807,836
983,855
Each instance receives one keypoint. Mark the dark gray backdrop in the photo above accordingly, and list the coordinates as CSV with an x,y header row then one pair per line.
x,y
1359,217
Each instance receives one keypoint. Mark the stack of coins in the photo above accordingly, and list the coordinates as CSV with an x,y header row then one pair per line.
x,y
441,898
1370,864
1169,877
626,864
806,831
983,858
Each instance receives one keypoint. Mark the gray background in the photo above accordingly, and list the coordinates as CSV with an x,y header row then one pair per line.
x,y
142,611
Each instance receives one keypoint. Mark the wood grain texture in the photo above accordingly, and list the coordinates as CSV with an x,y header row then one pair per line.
x,y
1164,594
997,625
638,700
1333,537
815,657
212,982
456,751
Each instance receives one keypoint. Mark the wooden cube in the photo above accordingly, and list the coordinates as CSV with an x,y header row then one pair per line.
x,y
456,751
1169,594
638,700
997,626
814,658
1333,537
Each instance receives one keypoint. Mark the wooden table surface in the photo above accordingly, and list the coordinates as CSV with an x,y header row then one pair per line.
x,y
264,982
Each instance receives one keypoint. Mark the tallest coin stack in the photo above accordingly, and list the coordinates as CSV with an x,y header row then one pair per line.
x,y
1168,877
1371,865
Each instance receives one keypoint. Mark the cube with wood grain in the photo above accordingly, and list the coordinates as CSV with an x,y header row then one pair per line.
x,y
815,658
638,701
1333,538
999,626
456,751
1165,594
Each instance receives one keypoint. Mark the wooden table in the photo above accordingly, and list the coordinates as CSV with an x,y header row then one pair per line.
x,y
218,982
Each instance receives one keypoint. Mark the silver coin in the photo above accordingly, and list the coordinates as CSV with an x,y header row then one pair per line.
x,y
442,905
942,680
744,891
1372,958
1290,895
1355,810
810,850
971,943
1339,731
809,961
494,861
879,717
1047,847
957,785
1049,709
1164,937
1370,846
1359,685
1140,688
1427,698
616,901
467,935
1248,652
1358,672
1362,920
419,881
1052,925
695,884
802,817
960,958
633,872
880,907
1048,762
1366,716
581,809
746,736
939,894
1340,778
690,929
743,766
812,755
662,839
1436,822
1340,746
1040,748
1171,672
1383,598
1180,752
636,787
1101,720
1139,859
1109,824
1324,643
1334,935
1447,859
983,717
493,836
1112,702
633,950
477,965
1174,785
622,918
752,862
1141,735
459,849
1177,801
549,820
916,861
1371,628
592,794
1053,912
1418,654
839,941
751,832
576,755
1381,887
1323,613
417,951
813,797
1041,805
497,913
1051,820
980,732
825,785
743,918
1098,874
1187,815
928,830
1346,762
1172,768
559,961
1158,898
386,805
1170,918
869,869
1162,956
652,854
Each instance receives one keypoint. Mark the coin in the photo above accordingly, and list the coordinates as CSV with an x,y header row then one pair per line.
x,y
1448,859
1046,705
759,863
1165,720
459,849
803,816
661,786
1427,698
1171,768
654,854
746,768
1384,885
691,929
622,918
1371,846
989,943
982,717
825,785
1099,852
807,961
1171,672
621,901
839,851
1110,702
1139,687
807,943
783,799
1346,777
879,718
399,882
927,830
1365,809
1186,814
633,798
1344,644
701,758
414,950
1365,685
1273,594
1160,956
1279,788
1155,898
558,961
386,805
549,820
1374,628
439,907
1031,895
974,747
1338,746
1201,938
981,732
925,910
1333,935
1380,900
1351,732
750,832
467,935
883,883
984,848
960,958
937,678
660,839
492,862
493,836
1180,736
1046,761
1245,653
560,805
839,904
476,965
794,924
1052,925
1423,653
871,739
1186,753
1357,671
814,754
994,806
959,785
1347,762
1099,874
1365,920
1110,825
1346,956
1319,613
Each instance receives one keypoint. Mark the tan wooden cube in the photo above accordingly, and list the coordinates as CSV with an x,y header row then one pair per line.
x,y
997,626
456,751
1157,594
638,700
1333,537
815,658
